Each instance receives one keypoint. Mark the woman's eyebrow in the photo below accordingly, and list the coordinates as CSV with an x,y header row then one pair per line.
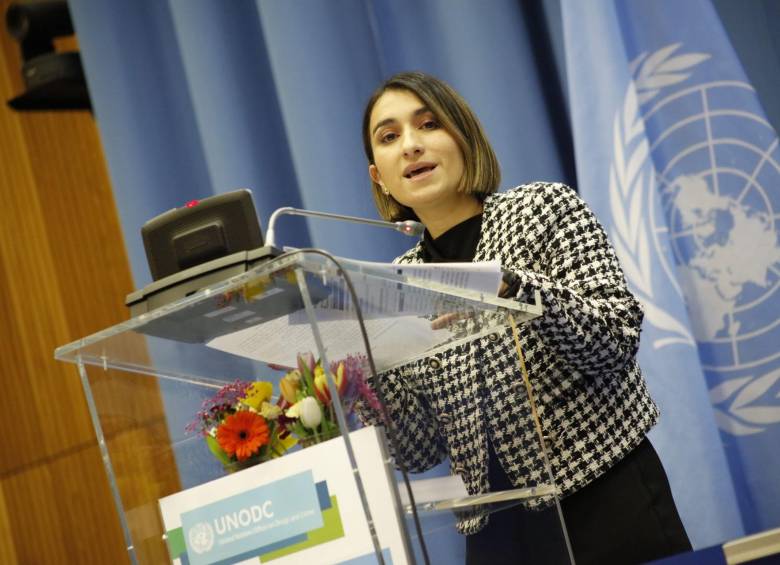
x,y
382,123
417,112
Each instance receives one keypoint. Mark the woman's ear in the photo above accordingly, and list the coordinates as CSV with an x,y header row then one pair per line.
x,y
373,172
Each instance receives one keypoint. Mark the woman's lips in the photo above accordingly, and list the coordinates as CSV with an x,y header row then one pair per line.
x,y
422,175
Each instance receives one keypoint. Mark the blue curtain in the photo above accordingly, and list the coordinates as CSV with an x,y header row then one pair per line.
x,y
198,97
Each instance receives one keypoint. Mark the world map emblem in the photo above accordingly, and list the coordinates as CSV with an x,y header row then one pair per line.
x,y
695,190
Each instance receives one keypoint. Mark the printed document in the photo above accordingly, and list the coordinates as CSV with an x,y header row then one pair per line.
x,y
397,316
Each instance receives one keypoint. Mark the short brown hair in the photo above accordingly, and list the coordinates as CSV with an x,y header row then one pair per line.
x,y
482,174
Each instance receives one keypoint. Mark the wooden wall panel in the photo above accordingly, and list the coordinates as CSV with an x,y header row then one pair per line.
x,y
34,318
7,546
63,275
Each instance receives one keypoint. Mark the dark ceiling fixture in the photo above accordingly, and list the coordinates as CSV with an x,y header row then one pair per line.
x,y
53,80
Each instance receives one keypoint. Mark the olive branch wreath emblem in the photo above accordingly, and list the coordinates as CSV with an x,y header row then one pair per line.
x,y
735,400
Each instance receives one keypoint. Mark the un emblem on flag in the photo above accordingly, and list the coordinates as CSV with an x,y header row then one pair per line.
x,y
695,188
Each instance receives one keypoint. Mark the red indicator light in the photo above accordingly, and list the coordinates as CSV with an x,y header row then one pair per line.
x,y
192,203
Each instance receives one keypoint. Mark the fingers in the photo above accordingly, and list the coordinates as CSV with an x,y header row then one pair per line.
x,y
446,320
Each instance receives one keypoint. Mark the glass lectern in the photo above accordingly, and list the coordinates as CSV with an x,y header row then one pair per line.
x,y
147,378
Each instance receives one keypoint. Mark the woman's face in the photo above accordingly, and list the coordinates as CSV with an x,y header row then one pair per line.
x,y
415,159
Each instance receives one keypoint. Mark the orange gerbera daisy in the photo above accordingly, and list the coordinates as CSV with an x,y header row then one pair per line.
x,y
242,434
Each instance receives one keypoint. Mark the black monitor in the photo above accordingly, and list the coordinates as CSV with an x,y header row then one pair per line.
x,y
205,243
201,231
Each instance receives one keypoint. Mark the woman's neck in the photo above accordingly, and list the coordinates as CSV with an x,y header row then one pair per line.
x,y
440,219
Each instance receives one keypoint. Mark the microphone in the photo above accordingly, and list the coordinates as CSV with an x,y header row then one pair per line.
x,y
407,227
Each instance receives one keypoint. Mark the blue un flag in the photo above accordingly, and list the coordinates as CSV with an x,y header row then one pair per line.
x,y
675,155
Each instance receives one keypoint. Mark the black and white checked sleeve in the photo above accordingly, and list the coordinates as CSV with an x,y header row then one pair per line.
x,y
590,317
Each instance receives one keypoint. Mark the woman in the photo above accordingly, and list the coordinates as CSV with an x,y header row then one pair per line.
x,y
429,160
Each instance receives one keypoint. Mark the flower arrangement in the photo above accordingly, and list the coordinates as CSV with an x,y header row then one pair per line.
x,y
307,402
243,427
240,425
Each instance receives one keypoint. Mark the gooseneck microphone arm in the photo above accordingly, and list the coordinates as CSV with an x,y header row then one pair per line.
x,y
408,227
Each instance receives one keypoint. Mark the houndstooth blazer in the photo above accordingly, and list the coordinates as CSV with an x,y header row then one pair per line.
x,y
591,399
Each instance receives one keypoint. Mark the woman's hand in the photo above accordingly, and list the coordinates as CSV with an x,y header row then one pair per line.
x,y
448,319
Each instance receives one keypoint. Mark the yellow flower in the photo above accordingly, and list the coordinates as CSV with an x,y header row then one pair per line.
x,y
288,442
339,377
280,445
257,393
321,385
293,411
256,288
290,385
270,411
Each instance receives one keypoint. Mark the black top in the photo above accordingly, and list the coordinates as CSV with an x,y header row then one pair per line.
x,y
457,244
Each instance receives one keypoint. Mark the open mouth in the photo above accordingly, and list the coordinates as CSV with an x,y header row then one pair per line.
x,y
419,171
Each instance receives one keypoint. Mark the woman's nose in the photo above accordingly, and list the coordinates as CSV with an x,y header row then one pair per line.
x,y
412,144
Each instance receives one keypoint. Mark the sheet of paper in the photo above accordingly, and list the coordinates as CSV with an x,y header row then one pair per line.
x,y
279,341
381,296
433,489
484,276
398,318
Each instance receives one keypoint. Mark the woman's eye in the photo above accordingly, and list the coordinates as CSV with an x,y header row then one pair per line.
x,y
387,137
430,124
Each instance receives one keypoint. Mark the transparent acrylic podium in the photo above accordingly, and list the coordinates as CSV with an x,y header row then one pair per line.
x,y
146,379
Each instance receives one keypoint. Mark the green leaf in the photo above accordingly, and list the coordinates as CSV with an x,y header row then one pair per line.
x,y
308,379
216,450
303,365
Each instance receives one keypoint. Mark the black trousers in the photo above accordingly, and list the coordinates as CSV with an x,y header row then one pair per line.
x,y
626,516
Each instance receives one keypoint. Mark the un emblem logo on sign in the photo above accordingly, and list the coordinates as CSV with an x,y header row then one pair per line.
x,y
694,189
201,537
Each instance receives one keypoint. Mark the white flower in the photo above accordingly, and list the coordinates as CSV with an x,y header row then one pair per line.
x,y
310,413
